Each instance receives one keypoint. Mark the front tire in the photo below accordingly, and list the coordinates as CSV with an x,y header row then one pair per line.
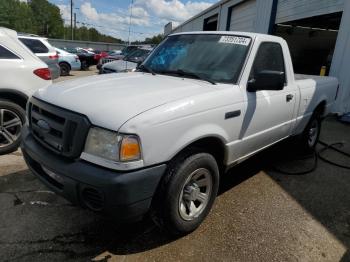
x,y
187,193
12,118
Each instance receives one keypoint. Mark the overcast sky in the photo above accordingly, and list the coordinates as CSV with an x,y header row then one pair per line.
x,y
149,16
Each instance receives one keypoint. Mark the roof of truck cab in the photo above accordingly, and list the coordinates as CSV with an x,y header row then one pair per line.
x,y
236,33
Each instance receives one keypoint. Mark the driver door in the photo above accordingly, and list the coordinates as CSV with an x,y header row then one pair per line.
x,y
269,114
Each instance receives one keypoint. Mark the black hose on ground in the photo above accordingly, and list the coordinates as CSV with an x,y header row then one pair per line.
x,y
318,155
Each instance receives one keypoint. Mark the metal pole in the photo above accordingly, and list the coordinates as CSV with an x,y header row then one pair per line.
x,y
132,2
71,18
75,24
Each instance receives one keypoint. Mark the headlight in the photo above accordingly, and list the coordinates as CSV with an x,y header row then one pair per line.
x,y
112,146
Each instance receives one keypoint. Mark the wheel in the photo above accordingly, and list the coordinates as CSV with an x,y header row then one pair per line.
x,y
84,65
12,118
65,69
187,193
309,138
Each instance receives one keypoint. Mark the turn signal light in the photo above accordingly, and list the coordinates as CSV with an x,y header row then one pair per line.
x,y
43,73
130,149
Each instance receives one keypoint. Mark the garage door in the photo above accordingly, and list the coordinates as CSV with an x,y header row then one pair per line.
x,y
288,10
243,17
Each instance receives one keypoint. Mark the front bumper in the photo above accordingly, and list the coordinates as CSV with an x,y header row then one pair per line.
x,y
75,66
121,195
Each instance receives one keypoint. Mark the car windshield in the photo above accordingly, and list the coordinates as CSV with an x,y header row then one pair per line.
x,y
136,54
128,49
218,58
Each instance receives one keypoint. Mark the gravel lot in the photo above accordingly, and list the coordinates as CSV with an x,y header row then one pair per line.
x,y
260,215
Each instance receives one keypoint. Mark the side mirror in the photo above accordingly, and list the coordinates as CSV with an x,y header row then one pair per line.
x,y
267,80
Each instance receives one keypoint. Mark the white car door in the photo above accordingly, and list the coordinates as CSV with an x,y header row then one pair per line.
x,y
269,114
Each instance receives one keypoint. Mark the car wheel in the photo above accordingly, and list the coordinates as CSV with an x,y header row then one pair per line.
x,y
12,118
309,138
65,69
84,65
187,193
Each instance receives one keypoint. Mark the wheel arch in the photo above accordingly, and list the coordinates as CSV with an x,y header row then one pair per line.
x,y
320,109
14,96
211,144
66,63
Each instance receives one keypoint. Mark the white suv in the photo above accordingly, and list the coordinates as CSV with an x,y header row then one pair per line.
x,y
41,47
22,74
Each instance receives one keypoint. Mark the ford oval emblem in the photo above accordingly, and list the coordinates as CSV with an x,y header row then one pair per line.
x,y
44,126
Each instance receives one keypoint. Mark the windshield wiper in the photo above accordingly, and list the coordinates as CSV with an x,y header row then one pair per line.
x,y
190,74
144,68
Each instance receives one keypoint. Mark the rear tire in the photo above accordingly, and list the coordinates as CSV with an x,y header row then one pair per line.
x,y
84,66
309,138
187,193
65,69
12,118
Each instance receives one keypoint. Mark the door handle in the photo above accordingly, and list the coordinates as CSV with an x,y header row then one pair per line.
x,y
289,97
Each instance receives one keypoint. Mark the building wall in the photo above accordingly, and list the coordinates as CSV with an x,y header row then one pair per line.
x,y
60,43
197,23
260,24
341,61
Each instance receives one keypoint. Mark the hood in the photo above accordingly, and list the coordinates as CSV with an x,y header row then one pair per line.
x,y
120,65
111,100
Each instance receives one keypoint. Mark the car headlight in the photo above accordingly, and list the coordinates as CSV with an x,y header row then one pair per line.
x,y
113,146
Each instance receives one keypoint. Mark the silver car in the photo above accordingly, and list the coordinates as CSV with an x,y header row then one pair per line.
x,y
128,63
42,49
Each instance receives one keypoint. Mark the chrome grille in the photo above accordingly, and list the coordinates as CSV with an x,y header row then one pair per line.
x,y
107,60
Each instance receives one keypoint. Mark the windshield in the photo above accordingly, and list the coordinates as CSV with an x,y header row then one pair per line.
x,y
128,49
139,53
218,58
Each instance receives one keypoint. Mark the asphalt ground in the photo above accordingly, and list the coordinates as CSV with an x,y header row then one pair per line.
x,y
259,215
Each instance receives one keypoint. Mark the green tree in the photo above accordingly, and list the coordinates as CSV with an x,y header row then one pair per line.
x,y
43,18
48,19
17,15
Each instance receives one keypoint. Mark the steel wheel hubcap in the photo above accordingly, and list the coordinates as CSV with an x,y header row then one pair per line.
x,y
195,194
10,127
313,133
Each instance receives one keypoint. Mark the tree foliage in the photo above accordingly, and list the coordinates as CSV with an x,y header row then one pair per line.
x,y
155,40
17,15
43,18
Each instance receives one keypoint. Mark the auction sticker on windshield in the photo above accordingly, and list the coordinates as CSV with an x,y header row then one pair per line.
x,y
236,40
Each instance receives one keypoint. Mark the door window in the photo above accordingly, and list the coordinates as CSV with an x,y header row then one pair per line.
x,y
36,46
7,54
269,57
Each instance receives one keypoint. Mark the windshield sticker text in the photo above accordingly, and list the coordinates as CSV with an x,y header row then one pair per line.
x,y
235,40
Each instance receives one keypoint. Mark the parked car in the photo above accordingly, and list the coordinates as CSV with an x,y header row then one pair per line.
x,y
22,74
86,57
112,56
128,64
156,141
119,56
67,62
86,60
99,55
44,50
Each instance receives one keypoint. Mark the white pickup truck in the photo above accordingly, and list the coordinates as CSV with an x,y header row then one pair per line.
x,y
156,141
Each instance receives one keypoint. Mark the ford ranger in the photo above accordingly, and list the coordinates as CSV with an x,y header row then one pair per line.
x,y
155,141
